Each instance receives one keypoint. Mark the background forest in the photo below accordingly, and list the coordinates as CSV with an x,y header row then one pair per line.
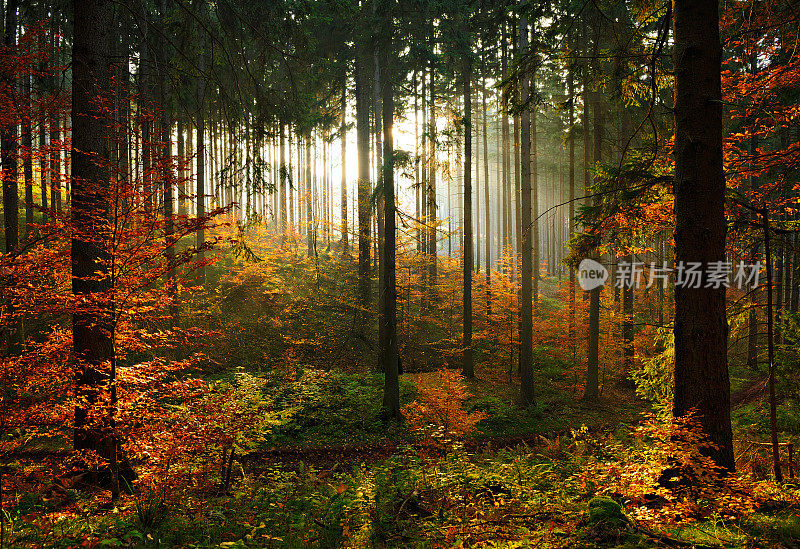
x,y
308,273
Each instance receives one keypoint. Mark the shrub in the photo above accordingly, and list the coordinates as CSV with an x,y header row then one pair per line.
x,y
439,411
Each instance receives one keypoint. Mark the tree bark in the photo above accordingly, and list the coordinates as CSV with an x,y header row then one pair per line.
x,y
364,185
467,366
701,327
526,251
92,321
201,168
8,136
389,349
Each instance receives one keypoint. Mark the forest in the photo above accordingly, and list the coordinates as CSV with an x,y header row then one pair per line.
x,y
400,273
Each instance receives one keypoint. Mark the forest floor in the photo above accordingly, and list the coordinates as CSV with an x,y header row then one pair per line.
x,y
334,476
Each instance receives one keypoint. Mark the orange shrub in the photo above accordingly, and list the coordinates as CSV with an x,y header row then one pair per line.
x,y
438,412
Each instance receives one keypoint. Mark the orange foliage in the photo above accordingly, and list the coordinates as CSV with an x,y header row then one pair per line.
x,y
438,412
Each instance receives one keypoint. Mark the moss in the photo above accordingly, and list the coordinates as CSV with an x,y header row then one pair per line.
x,y
605,509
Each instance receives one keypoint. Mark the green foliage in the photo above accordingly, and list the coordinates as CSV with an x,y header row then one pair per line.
x,y
654,380
329,406
605,510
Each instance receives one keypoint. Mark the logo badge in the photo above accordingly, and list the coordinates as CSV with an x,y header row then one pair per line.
x,y
591,274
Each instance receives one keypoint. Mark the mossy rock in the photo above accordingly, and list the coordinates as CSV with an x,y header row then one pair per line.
x,y
607,511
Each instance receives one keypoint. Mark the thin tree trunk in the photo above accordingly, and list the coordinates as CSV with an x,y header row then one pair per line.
x,y
525,295
487,209
201,167
467,367
364,185
432,205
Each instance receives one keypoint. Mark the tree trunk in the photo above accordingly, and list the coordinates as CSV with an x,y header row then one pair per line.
x,y
432,206
201,167
525,295
467,366
571,141
27,162
92,321
364,185
701,328
8,136
487,209
389,350
505,130
310,233
283,222
343,139
593,352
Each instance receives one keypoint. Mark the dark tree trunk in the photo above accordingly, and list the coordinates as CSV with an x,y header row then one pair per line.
x,y
487,209
283,223
92,321
201,169
8,138
167,178
467,367
571,141
27,162
389,350
343,139
526,251
701,327
593,352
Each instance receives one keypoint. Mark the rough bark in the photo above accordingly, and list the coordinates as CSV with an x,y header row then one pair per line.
x,y
467,366
526,237
701,327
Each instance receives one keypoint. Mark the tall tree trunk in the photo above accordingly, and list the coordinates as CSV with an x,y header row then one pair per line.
x,y
487,208
571,141
701,327
92,321
505,130
181,170
27,162
467,366
477,195
8,135
534,226
167,178
144,105
283,222
525,295
44,175
432,205
364,185
593,352
201,166
310,233
417,181
380,164
389,349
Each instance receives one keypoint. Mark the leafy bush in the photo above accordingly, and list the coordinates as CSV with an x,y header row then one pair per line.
x,y
668,452
438,412
654,380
